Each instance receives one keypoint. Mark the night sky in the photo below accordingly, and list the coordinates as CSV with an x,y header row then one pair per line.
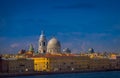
x,y
77,24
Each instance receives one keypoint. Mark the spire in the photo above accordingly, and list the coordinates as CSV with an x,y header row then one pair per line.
x,y
42,32
42,36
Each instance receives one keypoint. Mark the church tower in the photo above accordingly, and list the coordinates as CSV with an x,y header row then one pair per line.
x,y
42,47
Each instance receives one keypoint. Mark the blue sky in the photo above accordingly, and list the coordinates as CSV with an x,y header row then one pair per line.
x,y
77,24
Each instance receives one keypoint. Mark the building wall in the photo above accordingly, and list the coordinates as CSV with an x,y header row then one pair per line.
x,y
118,62
58,63
99,64
73,63
3,66
20,65
65,63
0,64
41,64
68,63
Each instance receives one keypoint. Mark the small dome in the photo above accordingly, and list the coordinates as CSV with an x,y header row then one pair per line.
x,y
91,50
53,45
67,50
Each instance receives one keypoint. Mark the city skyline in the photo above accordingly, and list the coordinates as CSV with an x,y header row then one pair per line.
x,y
77,24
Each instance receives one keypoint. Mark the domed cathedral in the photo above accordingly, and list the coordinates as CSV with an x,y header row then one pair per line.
x,y
53,46
42,46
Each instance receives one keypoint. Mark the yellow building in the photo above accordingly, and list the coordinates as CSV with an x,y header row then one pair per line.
x,y
60,63
41,64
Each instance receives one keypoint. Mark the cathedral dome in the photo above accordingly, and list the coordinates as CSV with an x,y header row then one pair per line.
x,y
53,43
53,46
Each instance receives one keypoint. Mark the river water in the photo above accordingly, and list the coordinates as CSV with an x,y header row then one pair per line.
x,y
110,74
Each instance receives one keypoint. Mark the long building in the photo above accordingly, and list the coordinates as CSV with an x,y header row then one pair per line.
x,y
13,65
60,63
65,63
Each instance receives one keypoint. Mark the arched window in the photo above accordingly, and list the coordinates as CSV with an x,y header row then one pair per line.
x,y
44,51
43,43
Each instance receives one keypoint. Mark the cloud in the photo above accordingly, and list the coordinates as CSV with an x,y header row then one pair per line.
x,y
78,41
14,45
2,38
80,35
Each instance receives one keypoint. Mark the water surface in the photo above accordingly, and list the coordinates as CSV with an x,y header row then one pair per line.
x,y
111,74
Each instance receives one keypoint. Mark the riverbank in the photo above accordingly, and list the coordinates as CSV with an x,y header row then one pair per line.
x,y
49,73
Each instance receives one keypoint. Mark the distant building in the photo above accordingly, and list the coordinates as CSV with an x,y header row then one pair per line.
x,y
51,58
42,45
53,45
41,64
0,64
63,63
60,63
118,61
3,65
13,65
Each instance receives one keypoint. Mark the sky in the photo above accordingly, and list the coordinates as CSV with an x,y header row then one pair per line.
x,y
77,24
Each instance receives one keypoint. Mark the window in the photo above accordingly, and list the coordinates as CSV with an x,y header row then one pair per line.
x,y
72,63
44,51
47,67
64,63
46,63
43,43
21,65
